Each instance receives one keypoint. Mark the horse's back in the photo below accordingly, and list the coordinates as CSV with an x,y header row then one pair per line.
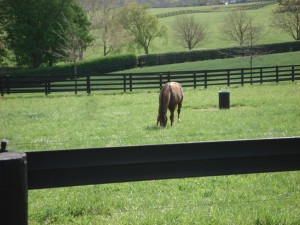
x,y
176,92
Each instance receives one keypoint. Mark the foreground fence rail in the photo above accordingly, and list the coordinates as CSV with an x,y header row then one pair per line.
x,y
132,81
49,169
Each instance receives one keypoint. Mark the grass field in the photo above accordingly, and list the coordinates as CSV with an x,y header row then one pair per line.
x,y
32,122
213,20
291,58
63,121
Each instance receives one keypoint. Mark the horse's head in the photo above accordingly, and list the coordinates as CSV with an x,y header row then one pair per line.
x,y
162,119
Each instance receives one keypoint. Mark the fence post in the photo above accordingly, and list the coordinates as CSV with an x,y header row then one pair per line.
x,y
242,77
75,84
130,82
47,85
2,86
160,81
124,83
261,75
13,187
293,73
195,82
7,84
277,74
205,79
88,84
228,77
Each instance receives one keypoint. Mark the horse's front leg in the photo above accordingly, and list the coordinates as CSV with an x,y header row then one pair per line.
x,y
172,118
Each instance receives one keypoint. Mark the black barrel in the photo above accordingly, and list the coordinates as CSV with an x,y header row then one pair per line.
x,y
224,99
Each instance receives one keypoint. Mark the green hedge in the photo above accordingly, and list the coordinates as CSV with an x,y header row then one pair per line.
x,y
95,66
189,56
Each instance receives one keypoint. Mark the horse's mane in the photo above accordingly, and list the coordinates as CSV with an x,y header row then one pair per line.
x,y
164,99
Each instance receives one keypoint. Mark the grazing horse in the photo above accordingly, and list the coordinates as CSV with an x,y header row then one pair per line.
x,y
170,96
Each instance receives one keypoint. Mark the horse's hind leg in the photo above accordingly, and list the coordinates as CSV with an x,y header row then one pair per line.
x,y
178,111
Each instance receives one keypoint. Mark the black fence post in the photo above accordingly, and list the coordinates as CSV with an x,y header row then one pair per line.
x,y
2,86
88,84
195,82
242,77
7,84
293,73
228,77
205,79
160,81
47,85
130,82
124,83
13,187
277,74
75,78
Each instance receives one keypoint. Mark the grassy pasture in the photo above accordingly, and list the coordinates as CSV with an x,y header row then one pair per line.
x,y
213,20
62,121
281,59
215,39
65,121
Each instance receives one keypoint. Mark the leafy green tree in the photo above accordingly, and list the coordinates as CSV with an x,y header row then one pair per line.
x,y
109,30
74,39
32,27
144,28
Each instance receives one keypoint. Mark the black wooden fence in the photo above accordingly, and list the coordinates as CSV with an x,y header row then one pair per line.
x,y
48,169
132,81
192,11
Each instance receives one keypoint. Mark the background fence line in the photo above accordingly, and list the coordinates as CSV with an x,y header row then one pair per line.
x,y
133,81
192,11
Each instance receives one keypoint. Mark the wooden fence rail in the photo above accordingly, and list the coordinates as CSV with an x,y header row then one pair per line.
x,y
48,169
132,81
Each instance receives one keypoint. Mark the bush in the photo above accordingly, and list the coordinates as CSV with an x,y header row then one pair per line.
x,y
188,56
95,66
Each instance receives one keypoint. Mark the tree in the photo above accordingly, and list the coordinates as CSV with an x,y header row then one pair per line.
x,y
114,38
241,28
144,28
286,17
237,27
3,53
32,27
74,38
188,32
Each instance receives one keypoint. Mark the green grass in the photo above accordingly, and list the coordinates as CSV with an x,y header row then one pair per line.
x,y
213,20
66,121
281,59
62,121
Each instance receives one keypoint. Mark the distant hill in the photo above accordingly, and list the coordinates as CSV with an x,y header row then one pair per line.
x,y
184,3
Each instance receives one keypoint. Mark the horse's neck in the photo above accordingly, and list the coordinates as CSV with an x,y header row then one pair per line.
x,y
164,101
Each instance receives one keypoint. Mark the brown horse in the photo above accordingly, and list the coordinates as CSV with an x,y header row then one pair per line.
x,y
170,96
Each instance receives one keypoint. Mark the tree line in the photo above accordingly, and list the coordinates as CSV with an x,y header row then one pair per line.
x,y
35,33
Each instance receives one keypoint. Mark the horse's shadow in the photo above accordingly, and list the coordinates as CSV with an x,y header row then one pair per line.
x,y
155,127
152,127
